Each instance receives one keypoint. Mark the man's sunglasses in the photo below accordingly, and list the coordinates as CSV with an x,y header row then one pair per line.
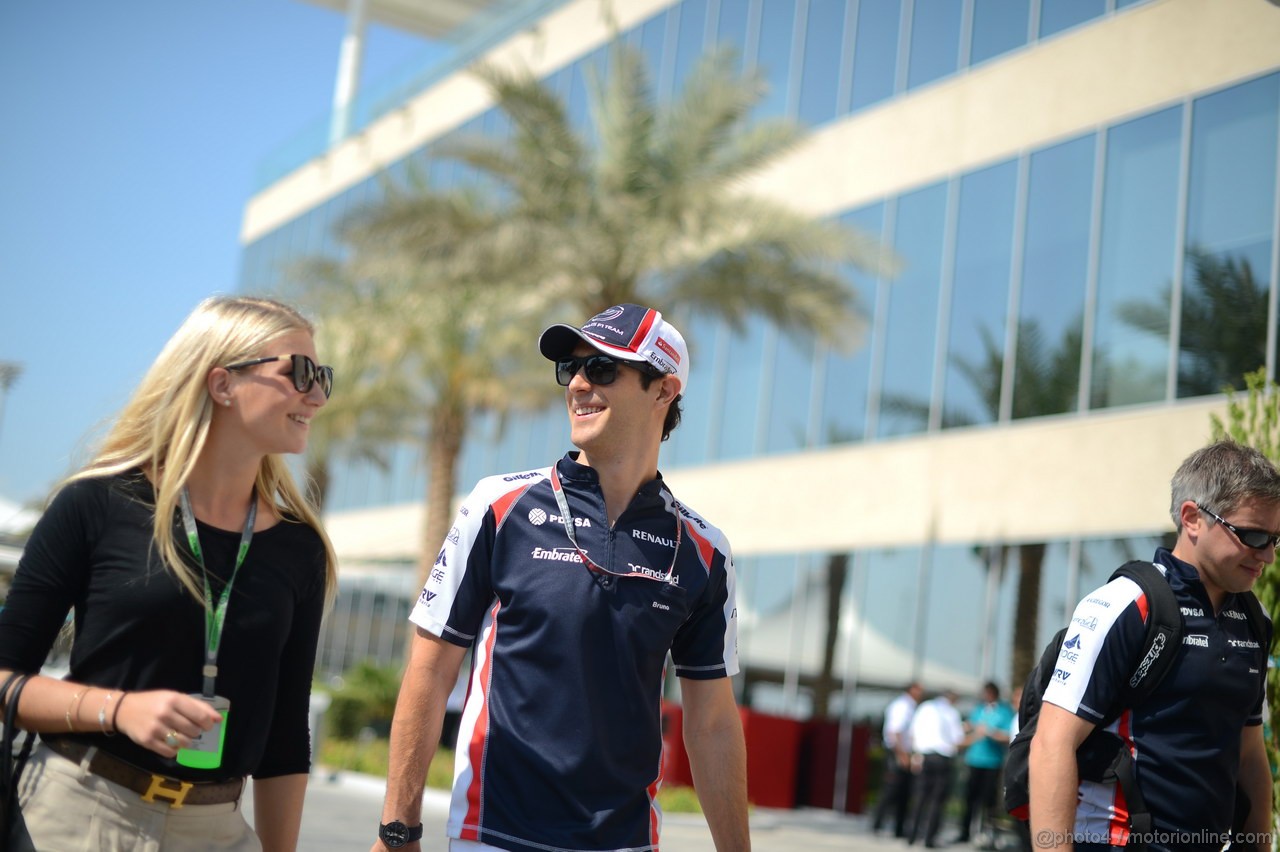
x,y
1257,539
305,372
600,369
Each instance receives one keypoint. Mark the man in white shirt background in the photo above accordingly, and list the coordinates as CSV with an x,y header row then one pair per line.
x,y
936,734
895,783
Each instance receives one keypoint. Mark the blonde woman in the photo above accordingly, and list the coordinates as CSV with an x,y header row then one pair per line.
x,y
197,574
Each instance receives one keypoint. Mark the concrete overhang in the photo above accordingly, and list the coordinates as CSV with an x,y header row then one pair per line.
x,y
429,18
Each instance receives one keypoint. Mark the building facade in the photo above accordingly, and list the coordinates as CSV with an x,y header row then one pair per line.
x,y
1083,198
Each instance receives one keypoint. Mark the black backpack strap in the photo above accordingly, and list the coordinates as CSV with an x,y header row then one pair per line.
x,y
1163,636
1141,824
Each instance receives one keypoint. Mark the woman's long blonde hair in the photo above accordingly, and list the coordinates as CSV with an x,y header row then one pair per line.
x,y
163,428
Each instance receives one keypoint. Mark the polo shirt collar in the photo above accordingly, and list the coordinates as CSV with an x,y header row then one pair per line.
x,y
580,474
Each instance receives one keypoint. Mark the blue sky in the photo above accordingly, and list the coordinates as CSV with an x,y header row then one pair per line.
x,y
132,132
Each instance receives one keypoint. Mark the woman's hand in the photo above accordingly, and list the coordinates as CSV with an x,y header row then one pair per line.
x,y
163,720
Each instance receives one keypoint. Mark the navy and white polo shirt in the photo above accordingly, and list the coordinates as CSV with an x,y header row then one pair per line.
x,y
560,745
1185,737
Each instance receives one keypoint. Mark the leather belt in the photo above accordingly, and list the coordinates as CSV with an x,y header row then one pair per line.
x,y
151,787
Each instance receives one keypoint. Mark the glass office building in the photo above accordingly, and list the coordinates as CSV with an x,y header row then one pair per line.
x,y
1083,198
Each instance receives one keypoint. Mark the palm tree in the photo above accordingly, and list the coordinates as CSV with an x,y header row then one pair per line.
x,y
458,311
367,414
1223,333
647,207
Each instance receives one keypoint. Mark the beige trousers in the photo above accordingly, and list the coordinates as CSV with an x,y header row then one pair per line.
x,y
66,808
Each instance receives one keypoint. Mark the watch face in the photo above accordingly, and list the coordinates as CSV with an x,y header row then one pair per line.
x,y
394,834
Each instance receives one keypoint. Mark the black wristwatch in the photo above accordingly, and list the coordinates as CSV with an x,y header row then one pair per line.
x,y
396,834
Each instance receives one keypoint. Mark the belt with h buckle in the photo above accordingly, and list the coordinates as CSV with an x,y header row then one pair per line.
x,y
151,787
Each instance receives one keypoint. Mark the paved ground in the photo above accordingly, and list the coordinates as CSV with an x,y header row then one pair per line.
x,y
341,815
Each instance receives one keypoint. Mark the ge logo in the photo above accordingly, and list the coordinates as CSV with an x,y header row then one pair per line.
x,y
537,517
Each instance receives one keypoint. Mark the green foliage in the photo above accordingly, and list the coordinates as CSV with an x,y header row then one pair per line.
x,y
679,800
366,698
647,203
369,757
1255,421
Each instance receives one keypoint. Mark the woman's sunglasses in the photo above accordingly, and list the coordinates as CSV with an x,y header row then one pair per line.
x,y
305,372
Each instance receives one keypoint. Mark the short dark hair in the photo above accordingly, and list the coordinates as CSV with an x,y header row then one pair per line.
x,y
672,419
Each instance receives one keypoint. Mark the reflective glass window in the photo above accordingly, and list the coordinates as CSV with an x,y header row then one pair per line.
x,y
980,296
998,647
955,606
340,208
998,27
847,375
276,245
1135,272
1058,15
690,41
1046,565
1100,557
291,246
911,329
731,29
935,40
1230,230
893,617
494,123
1055,269
689,443
820,76
302,233
773,54
875,51
441,173
790,400
576,102
767,588
740,411
250,261
653,39
511,452
465,174
476,461
406,467
558,431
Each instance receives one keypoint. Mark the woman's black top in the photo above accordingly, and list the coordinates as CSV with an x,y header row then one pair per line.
x,y
137,628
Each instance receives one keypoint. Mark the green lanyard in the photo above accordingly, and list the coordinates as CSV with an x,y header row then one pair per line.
x,y
216,616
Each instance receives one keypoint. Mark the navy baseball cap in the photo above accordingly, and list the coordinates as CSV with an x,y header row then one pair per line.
x,y
627,332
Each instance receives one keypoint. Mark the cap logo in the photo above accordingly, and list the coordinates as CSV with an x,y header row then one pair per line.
x,y
667,348
605,316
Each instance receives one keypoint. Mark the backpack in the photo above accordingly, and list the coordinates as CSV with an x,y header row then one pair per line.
x,y
1103,755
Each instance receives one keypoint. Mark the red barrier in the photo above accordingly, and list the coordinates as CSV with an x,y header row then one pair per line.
x,y
819,753
773,752
675,760
773,755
